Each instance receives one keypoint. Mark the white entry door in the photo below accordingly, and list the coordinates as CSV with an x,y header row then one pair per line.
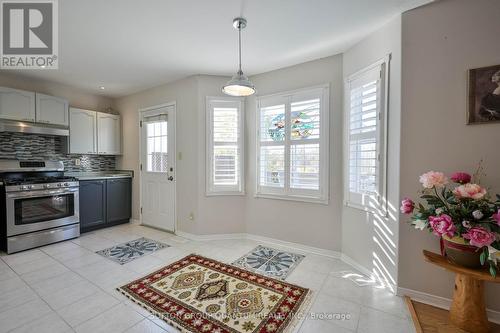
x,y
158,167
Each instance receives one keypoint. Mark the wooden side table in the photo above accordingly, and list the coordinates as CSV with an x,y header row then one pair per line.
x,y
468,310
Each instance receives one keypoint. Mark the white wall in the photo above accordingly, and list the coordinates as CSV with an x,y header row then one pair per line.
x,y
371,239
441,42
306,223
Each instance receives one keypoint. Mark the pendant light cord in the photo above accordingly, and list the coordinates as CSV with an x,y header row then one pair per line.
x,y
239,47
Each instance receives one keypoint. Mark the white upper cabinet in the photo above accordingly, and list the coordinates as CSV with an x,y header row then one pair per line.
x,y
82,131
17,104
51,110
108,134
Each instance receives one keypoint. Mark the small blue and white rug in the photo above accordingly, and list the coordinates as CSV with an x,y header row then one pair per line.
x,y
270,262
126,252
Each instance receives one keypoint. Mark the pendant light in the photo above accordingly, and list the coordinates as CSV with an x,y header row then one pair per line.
x,y
239,85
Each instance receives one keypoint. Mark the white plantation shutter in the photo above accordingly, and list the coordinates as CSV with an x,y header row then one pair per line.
x,y
364,137
292,140
304,166
272,147
305,146
224,146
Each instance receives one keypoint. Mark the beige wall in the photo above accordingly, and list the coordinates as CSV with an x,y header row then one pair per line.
x,y
371,239
76,97
440,42
218,214
291,221
306,223
212,215
184,93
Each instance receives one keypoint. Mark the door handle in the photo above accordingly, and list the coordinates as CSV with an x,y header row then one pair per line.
x,y
171,178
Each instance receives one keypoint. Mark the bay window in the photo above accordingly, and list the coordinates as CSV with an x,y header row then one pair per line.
x,y
292,145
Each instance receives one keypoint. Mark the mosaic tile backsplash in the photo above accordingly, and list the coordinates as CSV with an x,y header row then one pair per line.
x,y
39,147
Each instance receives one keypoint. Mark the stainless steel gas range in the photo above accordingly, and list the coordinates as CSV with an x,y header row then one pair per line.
x,y
39,205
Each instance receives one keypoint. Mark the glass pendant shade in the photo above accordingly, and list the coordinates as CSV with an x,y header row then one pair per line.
x,y
239,85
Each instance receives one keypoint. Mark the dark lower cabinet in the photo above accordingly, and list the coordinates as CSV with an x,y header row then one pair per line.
x,y
104,203
118,198
92,204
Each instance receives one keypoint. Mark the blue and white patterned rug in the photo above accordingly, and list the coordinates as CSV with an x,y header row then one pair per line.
x,y
270,262
126,252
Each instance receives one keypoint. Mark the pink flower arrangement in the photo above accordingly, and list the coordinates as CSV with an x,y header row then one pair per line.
x,y
442,225
479,237
496,217
462,209
433,179
407,206
469,191
461,177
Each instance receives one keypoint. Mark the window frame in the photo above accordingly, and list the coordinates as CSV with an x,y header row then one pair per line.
x,y
286,193
223,190
144,124
366,202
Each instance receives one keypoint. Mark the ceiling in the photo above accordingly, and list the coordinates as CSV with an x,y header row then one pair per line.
x,y
131,45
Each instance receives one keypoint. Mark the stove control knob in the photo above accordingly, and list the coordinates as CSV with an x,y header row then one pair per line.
x,y
46,185
66,184
25,187
29,187
59,184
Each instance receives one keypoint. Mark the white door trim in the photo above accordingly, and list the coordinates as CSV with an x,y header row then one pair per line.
x,y
140,113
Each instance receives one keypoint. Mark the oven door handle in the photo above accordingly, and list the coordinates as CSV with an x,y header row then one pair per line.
x,y
42,193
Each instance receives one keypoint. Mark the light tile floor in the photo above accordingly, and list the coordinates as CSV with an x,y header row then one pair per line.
x,y
67,287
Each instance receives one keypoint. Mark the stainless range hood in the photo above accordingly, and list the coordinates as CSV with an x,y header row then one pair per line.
x,y
32,128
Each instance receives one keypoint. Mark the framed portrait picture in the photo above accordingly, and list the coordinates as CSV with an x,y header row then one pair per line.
x,y
484,95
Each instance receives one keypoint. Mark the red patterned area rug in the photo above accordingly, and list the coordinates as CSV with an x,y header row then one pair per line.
x,y
201,295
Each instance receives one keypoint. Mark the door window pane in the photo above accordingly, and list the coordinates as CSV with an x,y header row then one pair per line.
x,y
157,146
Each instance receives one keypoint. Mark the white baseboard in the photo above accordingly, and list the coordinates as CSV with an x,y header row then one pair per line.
x,y
294,246
348,260
363,270
135,222
440,302
209,237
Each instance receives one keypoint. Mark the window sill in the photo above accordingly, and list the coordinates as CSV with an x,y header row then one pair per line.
x,y
291,198
224,194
